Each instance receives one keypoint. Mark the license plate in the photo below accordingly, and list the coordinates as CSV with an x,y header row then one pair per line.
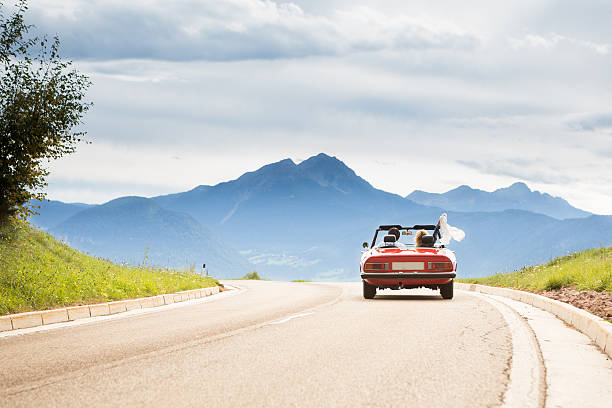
x,y
408,266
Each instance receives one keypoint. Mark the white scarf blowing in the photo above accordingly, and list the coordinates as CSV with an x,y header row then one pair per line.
x,y
449,232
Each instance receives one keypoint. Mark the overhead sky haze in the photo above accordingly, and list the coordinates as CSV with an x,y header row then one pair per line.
x,y
409,94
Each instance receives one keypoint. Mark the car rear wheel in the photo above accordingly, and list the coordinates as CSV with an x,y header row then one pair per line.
x,y
446,290
369,291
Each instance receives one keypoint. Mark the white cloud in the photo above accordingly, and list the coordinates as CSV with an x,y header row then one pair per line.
x,y
553,40
594,122
221,30
231,85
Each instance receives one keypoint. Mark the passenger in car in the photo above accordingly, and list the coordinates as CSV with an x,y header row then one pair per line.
x,y
418,239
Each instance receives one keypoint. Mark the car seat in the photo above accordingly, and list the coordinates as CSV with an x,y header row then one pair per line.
x,y
427,241
389,240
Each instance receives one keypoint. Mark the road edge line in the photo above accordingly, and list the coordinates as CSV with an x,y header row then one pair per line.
x,y
596,328
71,313
527,374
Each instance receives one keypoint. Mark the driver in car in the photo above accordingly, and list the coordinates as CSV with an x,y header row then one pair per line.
x,y
396,232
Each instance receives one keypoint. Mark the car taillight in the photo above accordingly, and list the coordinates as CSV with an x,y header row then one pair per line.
x,y
440,266
374,266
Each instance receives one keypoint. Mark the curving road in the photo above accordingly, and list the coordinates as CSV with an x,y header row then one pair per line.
x,y
279,344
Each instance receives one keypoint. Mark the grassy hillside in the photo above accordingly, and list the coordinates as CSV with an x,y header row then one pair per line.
x,y
587,270
37,272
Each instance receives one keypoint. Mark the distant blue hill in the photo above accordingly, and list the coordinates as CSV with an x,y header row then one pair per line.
x,y
515,197
308,220
53,212
136,230
505,241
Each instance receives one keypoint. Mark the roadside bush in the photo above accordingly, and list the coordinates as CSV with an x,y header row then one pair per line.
x,y
556,282
252,276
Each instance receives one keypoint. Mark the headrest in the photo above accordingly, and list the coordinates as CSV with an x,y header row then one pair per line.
x,y
427,240
390,238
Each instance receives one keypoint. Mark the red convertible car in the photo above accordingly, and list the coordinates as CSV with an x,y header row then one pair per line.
x,y
392,264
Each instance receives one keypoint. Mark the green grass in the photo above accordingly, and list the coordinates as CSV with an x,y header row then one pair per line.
x,y
587,270
300,280
37,272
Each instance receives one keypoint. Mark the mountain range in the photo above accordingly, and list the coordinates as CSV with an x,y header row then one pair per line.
x,y
517,196
308,220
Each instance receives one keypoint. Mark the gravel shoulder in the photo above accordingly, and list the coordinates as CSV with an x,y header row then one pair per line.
x,y
598,303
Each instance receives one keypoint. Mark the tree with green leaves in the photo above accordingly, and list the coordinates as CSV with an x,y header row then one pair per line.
x,y
42,101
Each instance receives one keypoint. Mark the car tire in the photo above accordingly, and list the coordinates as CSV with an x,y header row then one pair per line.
x,y
446,290
369,291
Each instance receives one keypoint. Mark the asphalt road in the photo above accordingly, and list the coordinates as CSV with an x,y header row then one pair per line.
x,y
271,344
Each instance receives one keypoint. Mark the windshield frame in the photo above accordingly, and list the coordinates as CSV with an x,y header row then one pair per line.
x,y
434,228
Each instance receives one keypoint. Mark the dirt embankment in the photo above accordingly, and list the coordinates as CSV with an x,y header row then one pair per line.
x,y
598,303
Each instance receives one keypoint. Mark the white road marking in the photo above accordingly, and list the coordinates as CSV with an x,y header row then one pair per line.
x,y
286,319
123,315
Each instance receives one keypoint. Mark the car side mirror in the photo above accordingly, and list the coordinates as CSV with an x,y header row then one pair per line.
x,y
365,245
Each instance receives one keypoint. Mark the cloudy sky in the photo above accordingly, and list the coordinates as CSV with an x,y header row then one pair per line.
x,y
410,94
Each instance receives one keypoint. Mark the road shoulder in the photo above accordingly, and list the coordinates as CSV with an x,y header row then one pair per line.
x,y
563,351
31,322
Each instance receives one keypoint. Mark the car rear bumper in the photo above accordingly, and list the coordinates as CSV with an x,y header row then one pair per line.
x,y
409,275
